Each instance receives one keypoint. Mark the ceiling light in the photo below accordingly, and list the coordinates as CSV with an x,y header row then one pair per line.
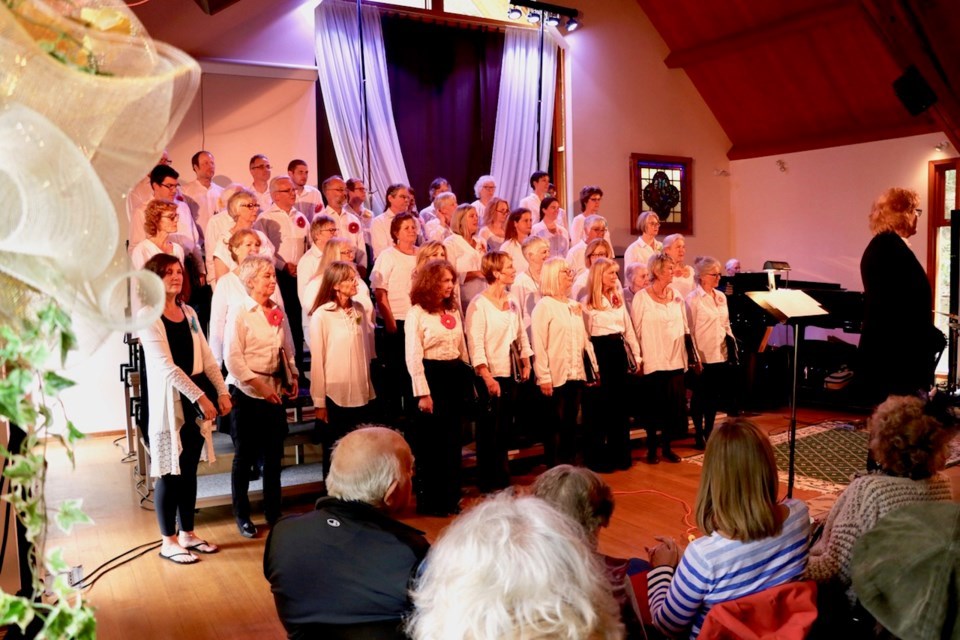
x,y
533,17
514,13
572,25
552,20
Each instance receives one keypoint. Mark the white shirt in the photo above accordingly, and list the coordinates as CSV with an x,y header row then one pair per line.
x,y
363,298
186,235
222,249
526,293
640,251
307,270
253,346
349,228
576,257
308,201
146,249
465,258
660,328
203,201
559,340
709,321
427,214
393,272
581,283
683,285
137,197
559,239
513,249
428,339
610,320
263,197
288,232
366,219
531,202
340,362
576,230
229,295
436,230
492,240
490,331
380,238
217,227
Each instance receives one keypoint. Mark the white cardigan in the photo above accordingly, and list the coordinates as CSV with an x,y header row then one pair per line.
x,y
165,382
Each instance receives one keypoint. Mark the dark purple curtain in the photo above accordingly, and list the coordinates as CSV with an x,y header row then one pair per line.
x,y
444,84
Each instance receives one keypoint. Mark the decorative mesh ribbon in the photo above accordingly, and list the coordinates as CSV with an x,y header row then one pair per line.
x,y
87,104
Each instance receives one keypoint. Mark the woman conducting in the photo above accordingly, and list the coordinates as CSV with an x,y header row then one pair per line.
x,y
500,353
183,382
261,368
709,321
340,346
436,356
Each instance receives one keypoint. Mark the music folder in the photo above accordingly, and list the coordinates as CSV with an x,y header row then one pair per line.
x,y
787,304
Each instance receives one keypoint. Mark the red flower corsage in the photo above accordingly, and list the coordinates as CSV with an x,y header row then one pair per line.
x,y
353,228
275,316
448,321
301,222
318,208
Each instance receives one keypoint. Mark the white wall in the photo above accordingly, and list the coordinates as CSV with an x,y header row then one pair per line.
x,y
623,99
814,214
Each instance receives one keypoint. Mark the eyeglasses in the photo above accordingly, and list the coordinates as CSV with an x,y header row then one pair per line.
x,y
329,229
167,185
713,275
284,191
261,166
340,189
654,223
599,254
251,205
595,198
170,216
919,212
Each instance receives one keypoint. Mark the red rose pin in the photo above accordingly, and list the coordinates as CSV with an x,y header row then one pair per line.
x,y
448,321
275,316
353,228
301,222
318,208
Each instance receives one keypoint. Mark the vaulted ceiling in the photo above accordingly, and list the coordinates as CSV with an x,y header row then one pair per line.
x,y
789,76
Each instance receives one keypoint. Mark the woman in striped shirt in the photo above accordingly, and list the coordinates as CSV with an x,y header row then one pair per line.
x,y
752,542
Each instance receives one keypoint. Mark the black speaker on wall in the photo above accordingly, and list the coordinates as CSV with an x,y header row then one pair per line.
x,y
914,92
211,7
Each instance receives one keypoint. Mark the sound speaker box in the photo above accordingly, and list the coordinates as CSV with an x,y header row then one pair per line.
x,y
914,92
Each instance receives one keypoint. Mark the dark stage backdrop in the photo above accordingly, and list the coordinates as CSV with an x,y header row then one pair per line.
x,y
444,84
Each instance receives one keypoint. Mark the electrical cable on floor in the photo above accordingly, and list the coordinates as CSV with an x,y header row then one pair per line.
x,y
692,529
86,583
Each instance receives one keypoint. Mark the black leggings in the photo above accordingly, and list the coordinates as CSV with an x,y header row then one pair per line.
x,y
175,496
259,428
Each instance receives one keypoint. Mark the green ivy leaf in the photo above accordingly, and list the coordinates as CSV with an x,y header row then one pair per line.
x,y
70,514
22,467
15,610
55,561
54,383
73,434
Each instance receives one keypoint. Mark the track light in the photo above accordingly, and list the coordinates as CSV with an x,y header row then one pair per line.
x,y
533,17
514,13
572,25
552,20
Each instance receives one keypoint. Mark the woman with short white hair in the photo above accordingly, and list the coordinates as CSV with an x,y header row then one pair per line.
x,y
676,247
646,245
561,354
548,583
485,189
526,288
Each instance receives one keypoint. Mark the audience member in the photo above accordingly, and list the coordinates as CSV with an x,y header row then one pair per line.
x,y
752,542
548,583
343,570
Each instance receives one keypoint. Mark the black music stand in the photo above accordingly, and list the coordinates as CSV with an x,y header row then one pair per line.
x,y
791,307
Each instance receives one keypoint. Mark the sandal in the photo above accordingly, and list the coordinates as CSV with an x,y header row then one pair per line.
x,y
173,557
202,547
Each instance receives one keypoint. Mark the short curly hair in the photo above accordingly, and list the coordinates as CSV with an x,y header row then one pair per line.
x,y
906,441
579,493
891,209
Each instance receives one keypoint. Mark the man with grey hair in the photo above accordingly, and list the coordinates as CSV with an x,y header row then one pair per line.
x,y
343,570
594,227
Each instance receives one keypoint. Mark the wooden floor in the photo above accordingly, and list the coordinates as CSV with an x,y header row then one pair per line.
x,y
226,596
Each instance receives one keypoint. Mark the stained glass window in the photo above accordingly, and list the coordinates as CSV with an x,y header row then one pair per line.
x,y
662,184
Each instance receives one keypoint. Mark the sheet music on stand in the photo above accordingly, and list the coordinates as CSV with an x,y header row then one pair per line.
x,y
790,306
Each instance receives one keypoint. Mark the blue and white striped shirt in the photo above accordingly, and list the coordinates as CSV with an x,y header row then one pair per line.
x,y
716,569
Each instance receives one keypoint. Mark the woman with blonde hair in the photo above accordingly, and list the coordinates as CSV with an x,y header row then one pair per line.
x,y
899,342
464,250
495,223
618,352
338,250
341,346
437,359
752,541
159,222
709,320
500,354
562,352
595,249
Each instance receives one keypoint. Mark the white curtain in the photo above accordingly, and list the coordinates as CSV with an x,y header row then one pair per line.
x,y
515,135
338,62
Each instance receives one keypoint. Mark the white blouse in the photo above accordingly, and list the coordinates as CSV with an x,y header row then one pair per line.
x,y
492,240
253,346
683,285
640,251
466,258
146,249
362,297
610,320
490,331
340,348
513,249
526,293
428,339
559,339
231,293
660,328
709,320
222,249
559,240
393,272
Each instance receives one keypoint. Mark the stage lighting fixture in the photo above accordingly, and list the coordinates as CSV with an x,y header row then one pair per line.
x,y
533,17
572,25
552,20
514,13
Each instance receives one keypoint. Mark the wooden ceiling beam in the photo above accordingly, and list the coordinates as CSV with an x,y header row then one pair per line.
x,y
762,34
920,126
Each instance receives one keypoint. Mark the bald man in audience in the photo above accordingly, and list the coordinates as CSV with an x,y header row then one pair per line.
x,y
348,224
203,194
261,170
309,202
343,570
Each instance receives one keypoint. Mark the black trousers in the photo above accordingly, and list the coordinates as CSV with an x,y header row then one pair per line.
x,y
493,434
394,388
607,429
291,306
710,386
437,441
340,422
259,428
175,496
560,433
669,418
